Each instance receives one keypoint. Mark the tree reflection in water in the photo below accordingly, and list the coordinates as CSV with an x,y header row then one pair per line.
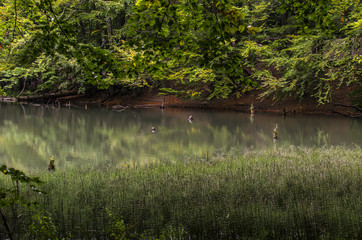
x,y
30,135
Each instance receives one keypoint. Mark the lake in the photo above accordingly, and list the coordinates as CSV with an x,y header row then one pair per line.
x,y
75,137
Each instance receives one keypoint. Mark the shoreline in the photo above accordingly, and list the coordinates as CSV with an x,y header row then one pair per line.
x,y
341,106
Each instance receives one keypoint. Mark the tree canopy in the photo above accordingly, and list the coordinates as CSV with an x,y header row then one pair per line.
x,y
191,48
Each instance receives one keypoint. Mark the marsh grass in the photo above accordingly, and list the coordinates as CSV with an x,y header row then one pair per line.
x,y
291,193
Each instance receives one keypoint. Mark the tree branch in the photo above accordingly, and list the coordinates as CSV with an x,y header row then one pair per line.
x,y
6,224
57,21
15,19
22,89
349,106
346,115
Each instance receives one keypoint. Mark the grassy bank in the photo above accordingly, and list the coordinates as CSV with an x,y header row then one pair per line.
x,y
291,193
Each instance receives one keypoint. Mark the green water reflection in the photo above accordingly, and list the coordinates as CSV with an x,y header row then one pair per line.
x,y
30,135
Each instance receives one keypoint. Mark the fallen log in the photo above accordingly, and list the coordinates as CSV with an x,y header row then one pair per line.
x,y
7,99
148,106
119,107
46,96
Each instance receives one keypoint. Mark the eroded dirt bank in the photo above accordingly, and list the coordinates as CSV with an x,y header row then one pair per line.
x,y
340,105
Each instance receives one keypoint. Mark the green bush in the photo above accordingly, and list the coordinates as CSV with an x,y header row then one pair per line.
x,y
2,92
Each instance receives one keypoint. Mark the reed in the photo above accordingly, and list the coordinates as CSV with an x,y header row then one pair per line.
x,y
288,193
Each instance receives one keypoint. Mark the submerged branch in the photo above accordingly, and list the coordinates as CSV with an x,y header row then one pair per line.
x,y
346,115
348,106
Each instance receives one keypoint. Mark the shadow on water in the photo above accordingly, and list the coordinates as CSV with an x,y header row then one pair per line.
x,y
30,135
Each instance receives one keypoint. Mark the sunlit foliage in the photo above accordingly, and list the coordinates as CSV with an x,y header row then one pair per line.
x,y
195,49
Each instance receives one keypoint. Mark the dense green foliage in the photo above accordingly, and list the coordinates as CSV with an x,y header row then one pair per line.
x,y
287,193
192,48
10,197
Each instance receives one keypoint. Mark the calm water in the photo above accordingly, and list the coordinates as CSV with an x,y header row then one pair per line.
x,y
30,135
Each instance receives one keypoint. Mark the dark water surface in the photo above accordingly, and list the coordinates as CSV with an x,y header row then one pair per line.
x,y
30,136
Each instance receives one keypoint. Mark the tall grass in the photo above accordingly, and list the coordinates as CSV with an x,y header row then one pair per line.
x,y
290,193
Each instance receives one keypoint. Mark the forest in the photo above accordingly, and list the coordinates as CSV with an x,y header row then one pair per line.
x,y
194,49
197,50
